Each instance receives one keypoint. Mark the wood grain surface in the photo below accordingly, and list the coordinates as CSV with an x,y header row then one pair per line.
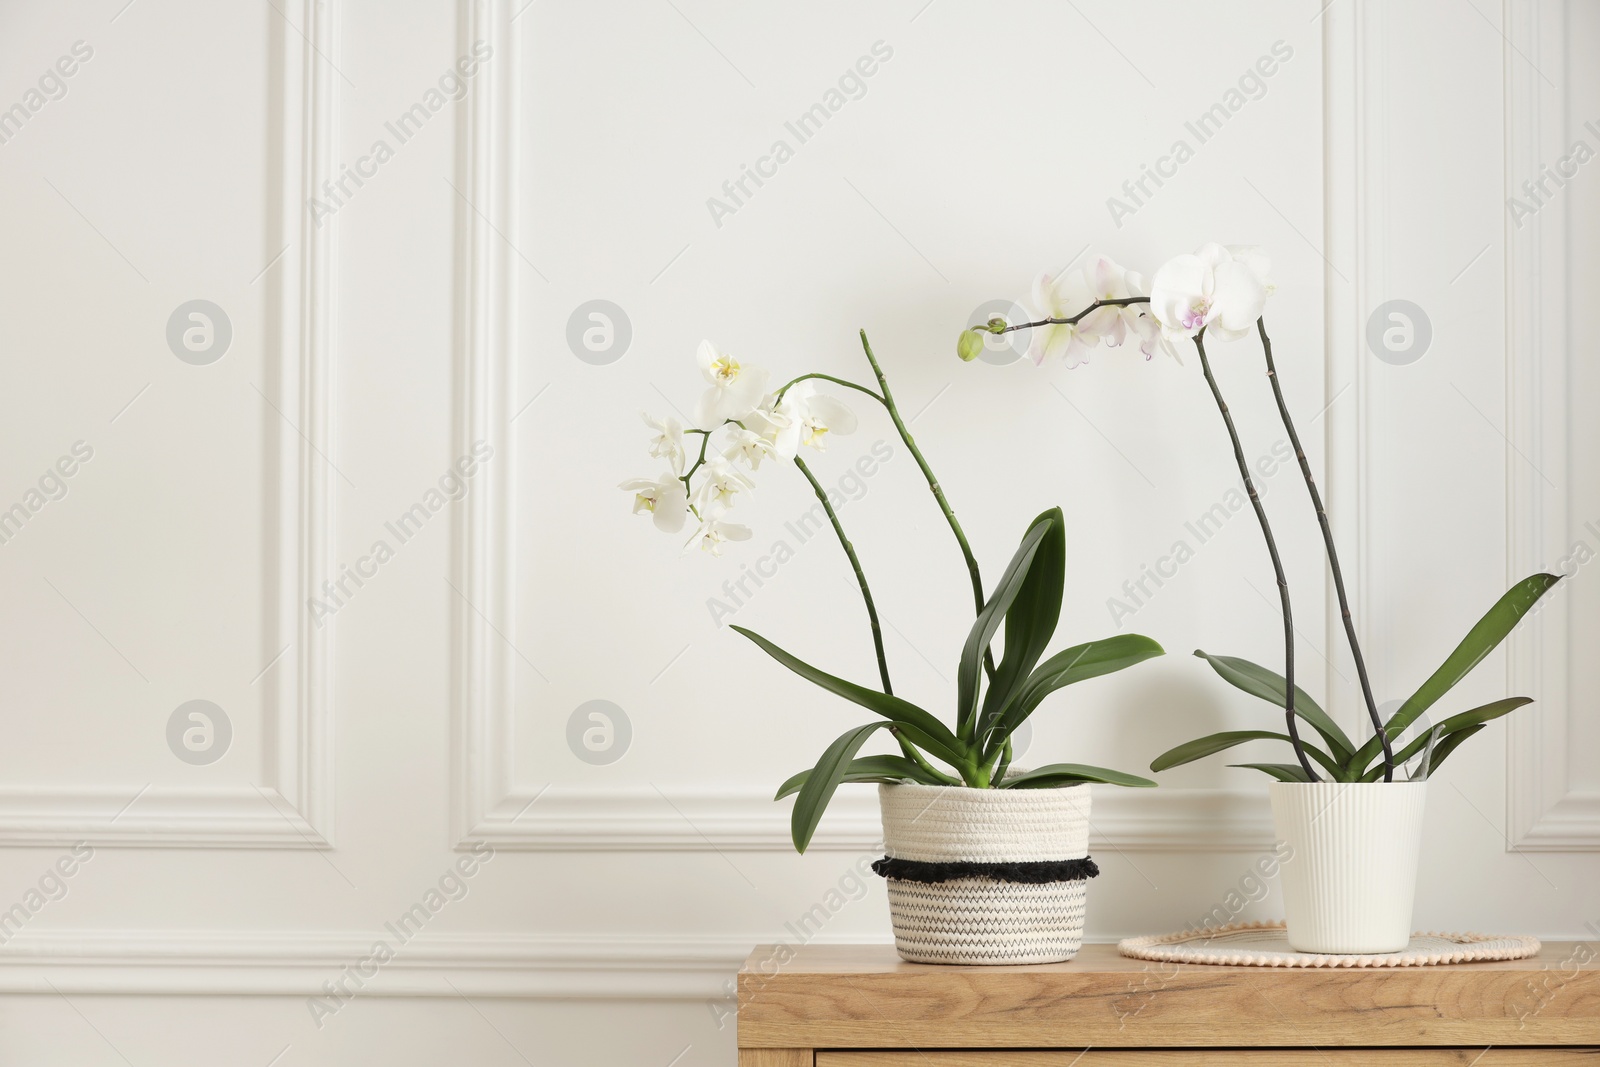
x,y
775,1057
1472,1057
865,997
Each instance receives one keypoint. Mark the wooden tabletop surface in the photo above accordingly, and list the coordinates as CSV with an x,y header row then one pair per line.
x,y
1105,959
865,996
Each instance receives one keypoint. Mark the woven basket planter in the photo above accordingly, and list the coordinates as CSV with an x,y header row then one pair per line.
x,y
986,876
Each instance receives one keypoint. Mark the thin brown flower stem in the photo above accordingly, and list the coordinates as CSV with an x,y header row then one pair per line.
x,y
1333,556
1073,320
938,494
855,563
1277,563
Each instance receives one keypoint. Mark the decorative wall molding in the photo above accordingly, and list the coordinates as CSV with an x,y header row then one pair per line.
x,y
650,820
489,804
294,963
299,758
1355,242
482,572
1544,811
237,817
293,808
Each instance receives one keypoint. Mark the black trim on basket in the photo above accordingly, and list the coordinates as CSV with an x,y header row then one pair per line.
x,y
1038,872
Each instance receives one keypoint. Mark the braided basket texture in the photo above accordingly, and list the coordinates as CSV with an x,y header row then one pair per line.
x,y
982,920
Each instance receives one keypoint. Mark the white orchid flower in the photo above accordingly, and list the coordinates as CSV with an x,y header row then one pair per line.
x,y
1256,258
1107,281
735,390
1063,296
713,532
807,417
667,444
747,445
1209,290
666,499
720,485
1144,324
770,422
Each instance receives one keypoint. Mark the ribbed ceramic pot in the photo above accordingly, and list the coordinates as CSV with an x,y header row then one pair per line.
x,y
1349,884
986,876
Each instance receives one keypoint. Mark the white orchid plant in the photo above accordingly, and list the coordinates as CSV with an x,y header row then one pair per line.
x,y
1220,293
741,426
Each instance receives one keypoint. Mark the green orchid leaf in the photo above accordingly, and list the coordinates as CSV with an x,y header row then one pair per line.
x,y
1075,664
918,726
1201,747
818,788
1454,724
1260,682
1283,772
1449,745
1031,620
1057,774
793,783
987,624
1484,713
1484,637
866,769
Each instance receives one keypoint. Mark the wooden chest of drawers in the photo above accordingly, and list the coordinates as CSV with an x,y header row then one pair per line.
x,y
861,1006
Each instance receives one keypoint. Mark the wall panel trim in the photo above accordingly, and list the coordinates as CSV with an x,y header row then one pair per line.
x,y
1544,811
489,803
297,963
293,807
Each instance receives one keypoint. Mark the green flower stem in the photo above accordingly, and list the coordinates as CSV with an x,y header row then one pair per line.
x,y
1333,555
1272,550
872,615
861,578
938,495
705,439
886,398
827,378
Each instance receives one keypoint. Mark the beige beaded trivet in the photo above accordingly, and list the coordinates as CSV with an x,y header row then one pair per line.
x,y
1267,945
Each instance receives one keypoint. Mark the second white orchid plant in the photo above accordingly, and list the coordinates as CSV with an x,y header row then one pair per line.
x,y
741,426
1220,293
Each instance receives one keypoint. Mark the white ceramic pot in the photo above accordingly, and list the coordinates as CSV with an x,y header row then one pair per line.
x,y
1348,887
986,875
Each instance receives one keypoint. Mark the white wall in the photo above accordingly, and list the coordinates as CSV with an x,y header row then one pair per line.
x,y
378,339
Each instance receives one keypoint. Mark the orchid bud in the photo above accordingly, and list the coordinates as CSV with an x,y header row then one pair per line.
x,y
997,325
970,346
